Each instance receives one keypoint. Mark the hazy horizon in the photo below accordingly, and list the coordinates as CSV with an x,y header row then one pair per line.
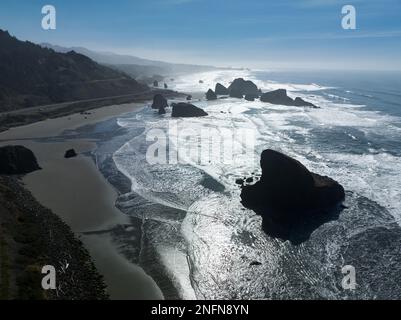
x,y
304,34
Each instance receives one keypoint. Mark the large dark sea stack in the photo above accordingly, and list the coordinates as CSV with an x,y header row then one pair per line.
x,y
279,96
210,95
220,89
159,102
243,87
289,197
17,160
183,109
236,94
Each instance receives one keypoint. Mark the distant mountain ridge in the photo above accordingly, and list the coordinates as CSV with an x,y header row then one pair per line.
x,y
134,66
31,75
103,56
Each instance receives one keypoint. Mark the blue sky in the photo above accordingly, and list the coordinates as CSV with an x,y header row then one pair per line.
x,y
251,33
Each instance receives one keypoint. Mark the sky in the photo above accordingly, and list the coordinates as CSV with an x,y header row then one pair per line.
x,y
262,34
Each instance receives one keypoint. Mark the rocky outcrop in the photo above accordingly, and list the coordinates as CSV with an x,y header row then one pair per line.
x,y
236,94
17,160
302,103
250,97
70,154
220,89
280,97
210,95
187,110
155,83
189,98
243,87
159,102
288,195
165,86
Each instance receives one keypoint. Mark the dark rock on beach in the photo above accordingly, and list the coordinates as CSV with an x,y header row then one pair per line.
x,y
165,86
155,83
239,181
70,154
17,160
220,89
280,96
189,97
183,109
243,87
289,196
159,102
249,180
210,95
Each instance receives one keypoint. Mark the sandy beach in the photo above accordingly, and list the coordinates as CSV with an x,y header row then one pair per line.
x,y
77,192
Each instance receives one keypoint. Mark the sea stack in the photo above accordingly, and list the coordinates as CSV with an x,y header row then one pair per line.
x,y
210,95
183,109
250,97
221,90
236,94
159,102
17,160
243,87
280,97
288,195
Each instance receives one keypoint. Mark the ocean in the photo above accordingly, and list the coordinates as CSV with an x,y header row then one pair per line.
x,y
194,230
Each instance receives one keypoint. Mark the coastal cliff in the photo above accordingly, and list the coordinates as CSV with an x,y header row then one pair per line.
x,y
32,236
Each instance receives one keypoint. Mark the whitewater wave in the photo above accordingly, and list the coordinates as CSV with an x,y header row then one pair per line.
x,y
201,82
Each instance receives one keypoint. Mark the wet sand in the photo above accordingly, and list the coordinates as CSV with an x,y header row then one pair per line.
x,y
76,191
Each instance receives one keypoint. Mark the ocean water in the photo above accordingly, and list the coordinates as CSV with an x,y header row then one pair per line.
x,y
207,243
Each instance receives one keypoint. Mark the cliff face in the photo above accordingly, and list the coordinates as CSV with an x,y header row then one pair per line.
x,y
32,75
31,236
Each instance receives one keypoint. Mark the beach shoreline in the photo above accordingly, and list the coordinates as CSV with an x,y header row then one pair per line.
x,y
76,190
26,116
